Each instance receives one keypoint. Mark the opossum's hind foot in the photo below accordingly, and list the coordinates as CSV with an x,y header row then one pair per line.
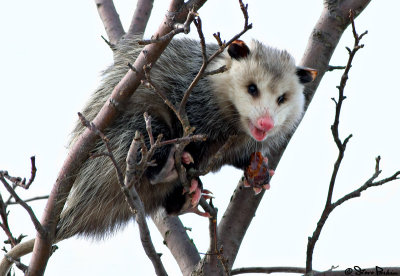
x,y
257,174
187,158
186,199
180,201
193,197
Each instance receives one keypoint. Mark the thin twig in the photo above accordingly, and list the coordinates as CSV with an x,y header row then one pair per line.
x,y
332,68
147,119
18,181
32,215
112,46
178,28
216,71
29,199
4,225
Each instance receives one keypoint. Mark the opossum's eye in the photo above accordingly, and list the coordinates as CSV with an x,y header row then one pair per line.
x,y
281,99
252,89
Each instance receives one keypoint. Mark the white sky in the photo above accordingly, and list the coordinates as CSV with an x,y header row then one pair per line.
x,y
51,56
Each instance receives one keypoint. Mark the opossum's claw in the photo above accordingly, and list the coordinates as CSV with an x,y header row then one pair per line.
x,y
198,212
194,184
257,174
196,197
206,194
187,158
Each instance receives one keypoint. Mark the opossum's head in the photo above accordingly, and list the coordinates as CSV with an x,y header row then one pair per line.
x,y
265,87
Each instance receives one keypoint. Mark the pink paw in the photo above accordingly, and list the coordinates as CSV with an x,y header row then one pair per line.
x,y
187,158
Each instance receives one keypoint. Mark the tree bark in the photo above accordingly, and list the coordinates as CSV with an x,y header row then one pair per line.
x,y
111,21
141,17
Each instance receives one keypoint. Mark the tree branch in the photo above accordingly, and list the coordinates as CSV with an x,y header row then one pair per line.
x,y
110,19
39,228
329,206
177,241
140,17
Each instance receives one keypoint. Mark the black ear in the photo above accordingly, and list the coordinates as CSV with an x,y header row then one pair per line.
x,y
238,49
306,74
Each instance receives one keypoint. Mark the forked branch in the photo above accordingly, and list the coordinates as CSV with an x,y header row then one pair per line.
x,y
341,145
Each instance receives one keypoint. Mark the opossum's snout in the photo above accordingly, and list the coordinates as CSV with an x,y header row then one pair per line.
x,y
261,127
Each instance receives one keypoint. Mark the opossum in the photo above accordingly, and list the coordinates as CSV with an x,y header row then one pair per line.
x,y
259,99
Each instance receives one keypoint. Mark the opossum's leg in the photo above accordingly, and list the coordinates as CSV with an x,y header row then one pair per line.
x,y
257,174
168,173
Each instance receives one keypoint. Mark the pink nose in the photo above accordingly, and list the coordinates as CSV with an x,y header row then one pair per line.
x,y
265,123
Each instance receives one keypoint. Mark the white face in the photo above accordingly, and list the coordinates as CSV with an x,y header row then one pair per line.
x,y
265,90
265,103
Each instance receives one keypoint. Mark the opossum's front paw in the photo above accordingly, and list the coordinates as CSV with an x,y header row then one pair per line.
x,y
257,174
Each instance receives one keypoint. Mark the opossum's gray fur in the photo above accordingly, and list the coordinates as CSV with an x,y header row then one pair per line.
x,y
96,207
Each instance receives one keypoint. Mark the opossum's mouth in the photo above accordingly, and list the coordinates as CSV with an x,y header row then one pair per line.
x,y
258,134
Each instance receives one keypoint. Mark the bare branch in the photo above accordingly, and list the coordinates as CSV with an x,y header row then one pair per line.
x,y
112,46
18,181
29,199
147,119
111,21
368,184
141,17
178,28
332,68
329,206
4,225
32,215
216,71
177,241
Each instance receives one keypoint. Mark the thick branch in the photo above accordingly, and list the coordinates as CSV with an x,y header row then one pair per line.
x,y
322,43
141,17
177,241
110,19
80,150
